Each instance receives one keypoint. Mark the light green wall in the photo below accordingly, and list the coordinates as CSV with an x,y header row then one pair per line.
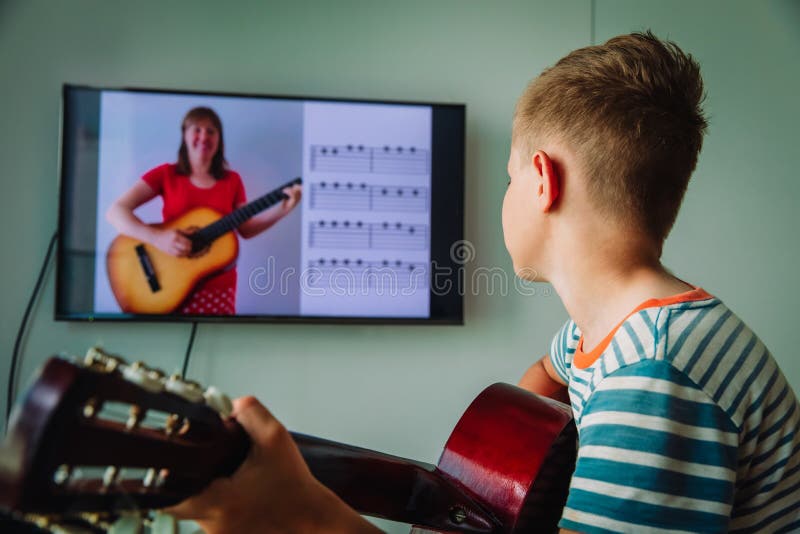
x,y
737,234
401,389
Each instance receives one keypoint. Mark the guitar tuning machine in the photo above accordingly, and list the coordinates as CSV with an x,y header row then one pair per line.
x,y
41,521
149,477
186,389
97,358
151,380
90,408
171,426
218,401
135,414
92,518
62,474
110,476
161,479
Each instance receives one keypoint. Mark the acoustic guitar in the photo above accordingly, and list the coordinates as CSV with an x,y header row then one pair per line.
x,y
146,280
95,441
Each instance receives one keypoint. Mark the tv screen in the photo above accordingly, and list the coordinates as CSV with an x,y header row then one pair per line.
x,y
211,206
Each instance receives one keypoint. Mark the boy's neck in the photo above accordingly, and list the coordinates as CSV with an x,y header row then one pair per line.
x,y
600,289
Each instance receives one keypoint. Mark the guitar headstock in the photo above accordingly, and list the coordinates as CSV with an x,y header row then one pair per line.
x,y
97,437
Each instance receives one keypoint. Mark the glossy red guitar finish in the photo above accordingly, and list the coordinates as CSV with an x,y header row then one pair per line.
x,y
515,451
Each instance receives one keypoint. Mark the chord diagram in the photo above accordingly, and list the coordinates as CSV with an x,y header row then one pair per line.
x,y
362,197
358,234
359,158
344,273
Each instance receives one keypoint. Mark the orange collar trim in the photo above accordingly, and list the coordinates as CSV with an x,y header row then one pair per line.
x,y
582,360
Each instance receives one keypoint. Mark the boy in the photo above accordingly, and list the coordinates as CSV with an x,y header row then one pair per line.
x,y
685,422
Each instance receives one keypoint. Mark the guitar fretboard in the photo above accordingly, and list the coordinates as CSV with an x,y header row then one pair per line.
x,y
205,236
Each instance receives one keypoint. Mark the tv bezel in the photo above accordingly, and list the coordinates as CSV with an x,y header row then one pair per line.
x,y
446,232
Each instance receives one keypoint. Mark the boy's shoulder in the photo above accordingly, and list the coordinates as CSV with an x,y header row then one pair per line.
x,y
680,389
696,342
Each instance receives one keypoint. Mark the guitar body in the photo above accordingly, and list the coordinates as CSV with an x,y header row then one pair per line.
x,y
515,451
176,277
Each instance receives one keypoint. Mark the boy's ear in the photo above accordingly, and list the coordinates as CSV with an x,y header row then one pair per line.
x,y
548,183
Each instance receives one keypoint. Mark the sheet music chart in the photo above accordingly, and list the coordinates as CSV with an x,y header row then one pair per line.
x,y
366,210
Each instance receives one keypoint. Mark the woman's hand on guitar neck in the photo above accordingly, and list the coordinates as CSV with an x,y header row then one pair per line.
x,y
172,242
266,219
293,195
272,491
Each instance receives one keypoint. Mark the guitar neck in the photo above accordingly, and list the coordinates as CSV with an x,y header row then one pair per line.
x,y
205,236
382,485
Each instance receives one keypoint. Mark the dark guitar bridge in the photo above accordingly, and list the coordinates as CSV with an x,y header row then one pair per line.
x,y
147,267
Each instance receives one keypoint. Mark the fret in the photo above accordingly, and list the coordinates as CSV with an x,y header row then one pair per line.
x,y
205,236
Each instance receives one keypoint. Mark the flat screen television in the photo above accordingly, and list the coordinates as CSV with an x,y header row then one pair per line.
x,y
371,239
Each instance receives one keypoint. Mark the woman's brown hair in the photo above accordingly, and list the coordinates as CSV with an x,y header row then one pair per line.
x,y
218,163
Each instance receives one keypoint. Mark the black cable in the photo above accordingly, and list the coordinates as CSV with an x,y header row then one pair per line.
x,y
21,332
189,350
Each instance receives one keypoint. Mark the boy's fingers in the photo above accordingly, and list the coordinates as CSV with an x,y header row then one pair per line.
x,y
256,420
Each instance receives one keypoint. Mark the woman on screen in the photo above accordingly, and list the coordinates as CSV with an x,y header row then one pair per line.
x,y
199,179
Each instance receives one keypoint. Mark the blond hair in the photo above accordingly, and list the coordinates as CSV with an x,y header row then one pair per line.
x,y
631,110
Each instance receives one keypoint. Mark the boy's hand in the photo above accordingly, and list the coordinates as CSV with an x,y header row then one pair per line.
x,y
272,491
542,379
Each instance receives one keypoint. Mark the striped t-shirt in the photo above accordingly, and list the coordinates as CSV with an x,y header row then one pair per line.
x,y
685,423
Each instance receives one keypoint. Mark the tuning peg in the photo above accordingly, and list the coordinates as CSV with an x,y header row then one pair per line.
x,y
135,415
149,379
62,474
217,400
98,359
110,475
41,521
171,425
186,389
92,518
157,374
161,479
90,408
